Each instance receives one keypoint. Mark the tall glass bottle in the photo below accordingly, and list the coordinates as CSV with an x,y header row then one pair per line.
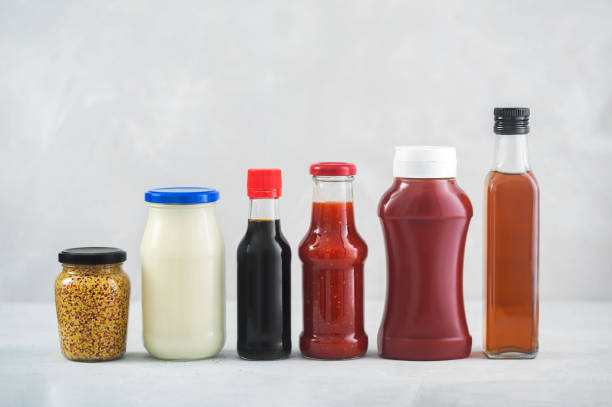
x,y
264,274
511,201
333,254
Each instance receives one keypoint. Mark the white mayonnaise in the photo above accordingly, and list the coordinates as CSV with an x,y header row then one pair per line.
x,y
183,281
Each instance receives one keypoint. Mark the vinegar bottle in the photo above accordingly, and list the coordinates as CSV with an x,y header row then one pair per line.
x,y
264,274
511,201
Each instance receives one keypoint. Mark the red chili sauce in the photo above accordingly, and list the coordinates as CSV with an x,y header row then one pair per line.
x,y
333,254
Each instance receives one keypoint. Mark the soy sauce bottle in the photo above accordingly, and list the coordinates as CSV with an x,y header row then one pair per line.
x,y
264,274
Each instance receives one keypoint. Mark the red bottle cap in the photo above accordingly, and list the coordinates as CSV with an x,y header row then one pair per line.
x,y
264,183
333,169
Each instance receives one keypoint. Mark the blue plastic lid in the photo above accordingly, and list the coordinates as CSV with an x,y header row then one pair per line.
x,y
182,195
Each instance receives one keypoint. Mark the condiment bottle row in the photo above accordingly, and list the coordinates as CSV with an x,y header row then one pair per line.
x,y
424,216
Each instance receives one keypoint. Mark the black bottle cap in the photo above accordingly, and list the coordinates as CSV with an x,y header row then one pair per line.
x,y
511,120
92,255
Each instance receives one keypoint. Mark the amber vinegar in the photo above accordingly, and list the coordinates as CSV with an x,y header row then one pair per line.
x,y
511,325
511,227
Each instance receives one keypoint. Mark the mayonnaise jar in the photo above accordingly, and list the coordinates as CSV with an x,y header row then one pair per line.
x,y
183,274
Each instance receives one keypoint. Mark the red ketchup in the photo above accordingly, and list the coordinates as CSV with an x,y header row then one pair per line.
x,y
425,218
333,253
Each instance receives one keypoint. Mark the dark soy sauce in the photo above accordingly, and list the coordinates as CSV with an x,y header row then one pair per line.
x,y
264,292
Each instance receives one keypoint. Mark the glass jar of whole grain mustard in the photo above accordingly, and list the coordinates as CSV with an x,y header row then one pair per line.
x,y
92,295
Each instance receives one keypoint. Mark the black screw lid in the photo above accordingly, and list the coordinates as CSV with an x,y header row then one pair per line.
x,y
511,120
92,255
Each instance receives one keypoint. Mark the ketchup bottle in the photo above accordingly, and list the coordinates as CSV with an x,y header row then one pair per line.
x,y
425,218
333,253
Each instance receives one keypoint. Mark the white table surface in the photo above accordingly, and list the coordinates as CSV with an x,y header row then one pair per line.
x,y
574,367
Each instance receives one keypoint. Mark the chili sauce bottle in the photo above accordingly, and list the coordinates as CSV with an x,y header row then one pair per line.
x,y
333,255
264,274
425,218
511,201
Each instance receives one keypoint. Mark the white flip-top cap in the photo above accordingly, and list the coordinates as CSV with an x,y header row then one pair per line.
x,y
425,162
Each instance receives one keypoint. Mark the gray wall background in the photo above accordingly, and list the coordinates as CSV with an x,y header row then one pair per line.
x,y
100,101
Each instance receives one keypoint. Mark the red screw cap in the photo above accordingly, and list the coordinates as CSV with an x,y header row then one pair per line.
x,y
333,169
264,183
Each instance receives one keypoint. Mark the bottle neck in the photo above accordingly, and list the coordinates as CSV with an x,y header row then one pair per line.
x,y
511,154
332,189
264,209
332,206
